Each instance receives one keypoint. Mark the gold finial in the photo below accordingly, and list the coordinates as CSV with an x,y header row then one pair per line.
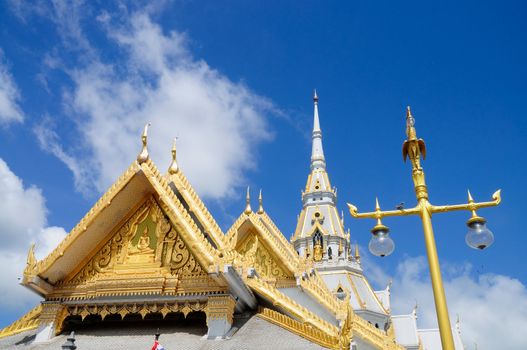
x,y
173,168
260,201
143,156
357,254
248,209
410,122
377,206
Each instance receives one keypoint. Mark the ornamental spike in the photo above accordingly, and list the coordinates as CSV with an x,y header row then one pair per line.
x,y
470,199
260,201
248,209
143,156
173,168
357,254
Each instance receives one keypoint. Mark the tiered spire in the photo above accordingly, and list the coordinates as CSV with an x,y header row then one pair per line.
x,y
319,198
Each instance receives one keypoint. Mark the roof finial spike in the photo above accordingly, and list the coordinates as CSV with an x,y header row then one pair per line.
x,y
248,209
143,156
377,206
357,254
315,96
173,168
260,201
342,217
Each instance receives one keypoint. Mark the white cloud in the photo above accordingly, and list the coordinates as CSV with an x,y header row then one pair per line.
x,y
9,96
22,222
492,308
219,122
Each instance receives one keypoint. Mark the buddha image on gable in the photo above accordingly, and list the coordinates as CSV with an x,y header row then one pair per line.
x,y
143,245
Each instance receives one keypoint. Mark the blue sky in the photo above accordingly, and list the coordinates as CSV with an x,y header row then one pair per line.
x,y
234,81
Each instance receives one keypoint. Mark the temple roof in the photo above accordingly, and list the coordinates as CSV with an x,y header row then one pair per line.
x,y
252,333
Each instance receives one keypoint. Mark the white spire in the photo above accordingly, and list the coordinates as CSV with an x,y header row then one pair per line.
x,y
317,153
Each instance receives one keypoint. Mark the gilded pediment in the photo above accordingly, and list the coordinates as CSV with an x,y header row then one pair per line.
x,y
143,254
261,258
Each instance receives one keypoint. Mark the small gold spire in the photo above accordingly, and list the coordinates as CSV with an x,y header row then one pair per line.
x,y
173,168
260,201
357,254
143,156
248,209
377,206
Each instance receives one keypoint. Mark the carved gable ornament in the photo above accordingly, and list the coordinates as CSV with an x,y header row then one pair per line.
x,y
258,256
145,254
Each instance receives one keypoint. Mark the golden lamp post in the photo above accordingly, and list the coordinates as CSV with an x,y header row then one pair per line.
x,y
478,235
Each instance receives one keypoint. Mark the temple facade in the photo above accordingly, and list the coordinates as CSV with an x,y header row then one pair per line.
x,y
149,257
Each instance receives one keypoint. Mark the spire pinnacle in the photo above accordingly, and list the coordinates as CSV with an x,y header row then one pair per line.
x,y
143,156
173,168
260,201
248,209
317,153
357,254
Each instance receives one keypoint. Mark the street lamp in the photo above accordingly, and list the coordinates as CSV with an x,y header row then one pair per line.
x,y
478,235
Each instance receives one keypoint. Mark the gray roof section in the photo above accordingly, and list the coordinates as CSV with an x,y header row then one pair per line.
x,y
256,333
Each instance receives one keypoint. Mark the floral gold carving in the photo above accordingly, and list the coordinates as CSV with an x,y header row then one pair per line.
x,y
258,255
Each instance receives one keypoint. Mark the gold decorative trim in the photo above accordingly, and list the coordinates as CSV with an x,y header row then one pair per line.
x,y
142,309
305,331
220,307
355,291
292,307
199,208
373,335
192,235
29,321
316,287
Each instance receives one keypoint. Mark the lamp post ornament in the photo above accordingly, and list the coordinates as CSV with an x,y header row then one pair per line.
x,y
478,236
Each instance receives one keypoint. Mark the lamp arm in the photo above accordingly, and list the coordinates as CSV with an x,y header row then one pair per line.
x,y
380,214
470,206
